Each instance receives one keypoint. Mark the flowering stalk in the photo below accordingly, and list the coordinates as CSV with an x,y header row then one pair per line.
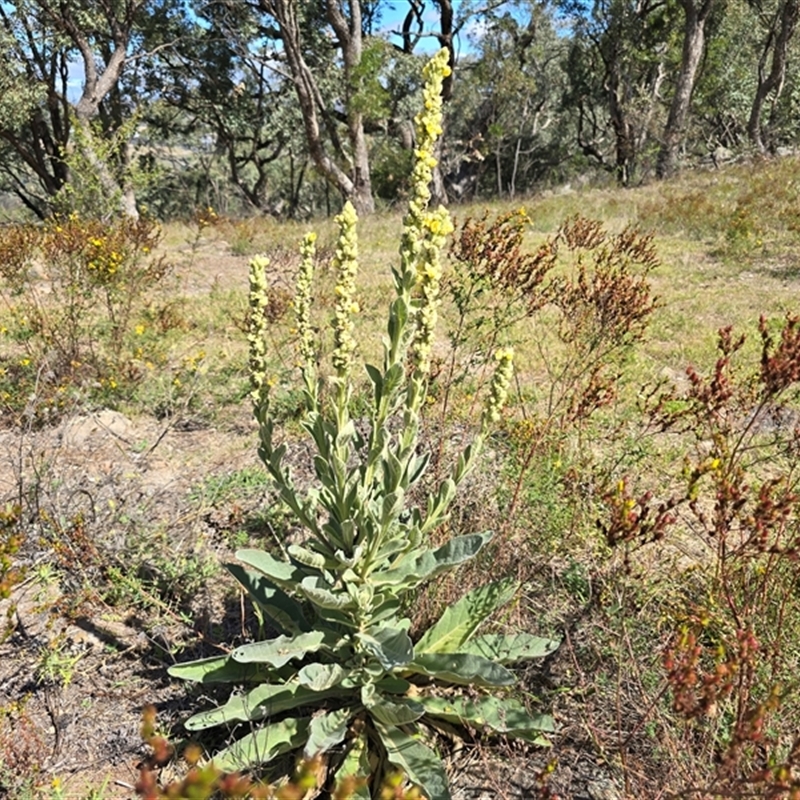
x,y
345,262
256,336
437,226
428,126
498,393
302,307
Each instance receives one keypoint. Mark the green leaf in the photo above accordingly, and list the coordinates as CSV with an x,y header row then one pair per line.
x,y
356,765
308,558
460,621
281,650
262,746
319,677
219,669
283,610
410,572
282,573
391,646
462,668
263,701
322,597
501,715
326,731
510,648
422,766
377,381
393,685
401,711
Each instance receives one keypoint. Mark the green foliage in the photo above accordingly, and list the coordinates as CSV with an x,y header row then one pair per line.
x,y
344,678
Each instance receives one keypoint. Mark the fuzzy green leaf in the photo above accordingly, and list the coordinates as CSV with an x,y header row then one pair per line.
x,y
281,650
322,597
219,669
501,715
401,711
283,610
282,573
510,648
391,646
262,746
311,558
460,621
462,668
422,766
326,731
413,571
262,701
319,677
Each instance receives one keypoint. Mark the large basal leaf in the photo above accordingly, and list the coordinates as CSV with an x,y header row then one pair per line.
x,y
262,746
262,701
326,731
462,668
281,650
219,669
422,766
392,647
319,677
281,573
413,571
510,648
502,715
460,621
283,610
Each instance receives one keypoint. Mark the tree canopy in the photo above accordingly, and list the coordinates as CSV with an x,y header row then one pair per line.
x,y
289,108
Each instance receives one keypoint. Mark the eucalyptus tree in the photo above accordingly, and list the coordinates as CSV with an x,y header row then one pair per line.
x,y
617,65
42,122
346,167
780,23
219,78
505,121
696,15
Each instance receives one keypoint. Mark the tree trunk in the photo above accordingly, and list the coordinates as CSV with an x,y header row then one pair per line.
x,y
693,49
97,85
356,186
788,17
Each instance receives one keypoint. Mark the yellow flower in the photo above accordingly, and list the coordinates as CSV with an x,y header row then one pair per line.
x,y
139,330
345,261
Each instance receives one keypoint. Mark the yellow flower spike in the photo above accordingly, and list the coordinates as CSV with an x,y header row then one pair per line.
x,y
302,302
258,299
345,262
498,393
428,126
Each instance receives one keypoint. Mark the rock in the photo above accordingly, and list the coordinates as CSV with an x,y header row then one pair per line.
x,y
79,430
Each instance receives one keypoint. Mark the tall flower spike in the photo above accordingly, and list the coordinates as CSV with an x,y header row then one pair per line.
x,y
498,393
428,125
256,337
302,304
437,227
345,262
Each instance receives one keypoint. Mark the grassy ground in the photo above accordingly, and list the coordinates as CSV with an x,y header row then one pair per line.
x,y
125,483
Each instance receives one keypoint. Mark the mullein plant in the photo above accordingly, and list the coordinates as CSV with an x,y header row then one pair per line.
x,y
344,681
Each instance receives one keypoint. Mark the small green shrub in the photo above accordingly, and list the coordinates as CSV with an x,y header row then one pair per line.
x,y
364,694
73,289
